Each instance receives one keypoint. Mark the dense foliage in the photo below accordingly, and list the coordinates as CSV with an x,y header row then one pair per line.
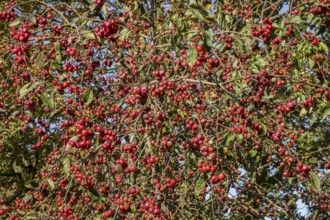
x,y
151,109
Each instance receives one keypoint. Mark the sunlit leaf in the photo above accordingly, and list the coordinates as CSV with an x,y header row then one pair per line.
x,y
192,56
88,97
14,23
50,184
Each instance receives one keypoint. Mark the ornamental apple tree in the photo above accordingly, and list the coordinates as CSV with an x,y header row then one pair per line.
x,y
153,109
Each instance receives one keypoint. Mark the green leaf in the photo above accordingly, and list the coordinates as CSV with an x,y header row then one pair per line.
x,y
58,57
208,42
193,3
14,113
66,165
325,114
264,128
188,13
88,97
314,119
31,184
314,160
311,63
240,138
27,197
90,35
291,202
26,89
95,196
14,23
253,153
228,18
192,56
57,46
324,47
276,25
316,183
296,20
199,186
303,112
34,19
70,39
260,62
32,215
47,101
124,34
229,138
51,184
58,66
192,33
17,167
105,10
316,21
255,70
198,14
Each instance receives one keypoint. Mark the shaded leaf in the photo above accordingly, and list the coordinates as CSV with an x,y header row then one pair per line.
x,y
95,196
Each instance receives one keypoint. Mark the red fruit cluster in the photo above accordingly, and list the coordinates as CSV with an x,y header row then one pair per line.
x,y
108,214
106,29
228,41
98,3
264,31
7,16
22,35
149,208
217,178
42,22
205,167
307,103
287,107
